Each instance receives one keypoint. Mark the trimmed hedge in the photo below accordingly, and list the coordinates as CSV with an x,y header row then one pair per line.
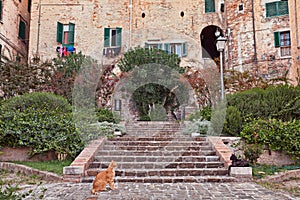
x,y
42,121
267,103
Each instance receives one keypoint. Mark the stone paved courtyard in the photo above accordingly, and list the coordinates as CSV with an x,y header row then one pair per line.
x,y
177,191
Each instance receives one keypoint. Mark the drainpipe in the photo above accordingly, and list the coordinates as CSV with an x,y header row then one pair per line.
x,y
39,27
130,23
254,33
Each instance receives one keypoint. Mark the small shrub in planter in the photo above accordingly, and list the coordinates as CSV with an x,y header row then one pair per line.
x,y
41,121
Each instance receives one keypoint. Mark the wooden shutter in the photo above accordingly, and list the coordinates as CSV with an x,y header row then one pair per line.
x,y
119,37
271,9
106,37
277,39
209,6
167,48
22,29
283,7
59,32
0,10
71,34
184,49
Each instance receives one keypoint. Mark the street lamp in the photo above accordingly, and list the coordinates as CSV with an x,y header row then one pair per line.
x,y
220,47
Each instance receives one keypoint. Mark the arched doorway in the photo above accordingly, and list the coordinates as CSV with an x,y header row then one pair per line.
x,y
208,41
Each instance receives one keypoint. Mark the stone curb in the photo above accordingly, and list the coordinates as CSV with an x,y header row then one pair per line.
x,y
282,176
28,171
221,149
78,167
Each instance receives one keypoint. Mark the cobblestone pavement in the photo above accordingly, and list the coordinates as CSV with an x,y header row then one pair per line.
x,y
154,191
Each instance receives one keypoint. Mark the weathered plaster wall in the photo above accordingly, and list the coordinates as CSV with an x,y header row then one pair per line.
x,y
12,46
294,7
241,49
162,21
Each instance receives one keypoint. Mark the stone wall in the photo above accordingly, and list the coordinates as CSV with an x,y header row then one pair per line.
x,y
12,45
245,29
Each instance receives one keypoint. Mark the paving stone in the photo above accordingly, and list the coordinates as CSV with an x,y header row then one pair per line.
x,y
167,191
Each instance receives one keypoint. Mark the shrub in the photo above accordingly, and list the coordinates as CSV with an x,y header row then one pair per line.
x,y
281,102
233,121
205,114
42,121
274,134
197,126
107,115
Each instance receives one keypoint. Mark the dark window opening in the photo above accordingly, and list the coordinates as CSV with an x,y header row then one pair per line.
x,y
143,15
222,7
241,7
182,14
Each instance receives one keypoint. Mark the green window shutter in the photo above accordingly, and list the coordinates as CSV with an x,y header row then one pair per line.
x,y
106,37
283,7
0,10
22,29
59,32
209,6
271,9
119,37
277,39
167,48
146,45
71,33
184,49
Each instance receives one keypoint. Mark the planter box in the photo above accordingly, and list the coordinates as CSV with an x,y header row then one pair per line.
x,y
241,172
21,154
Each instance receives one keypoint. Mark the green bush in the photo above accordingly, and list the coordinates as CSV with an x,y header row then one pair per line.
x,y
107,115
281,102
204,114
233,122
42,121
274,134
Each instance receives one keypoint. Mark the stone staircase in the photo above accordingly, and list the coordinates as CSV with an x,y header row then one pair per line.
x,y
159,155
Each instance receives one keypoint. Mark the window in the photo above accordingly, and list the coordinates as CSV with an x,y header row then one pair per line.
x,y
283,41
277,8
22,30
1,8
65,34
179,49
209,6
0,51
112,37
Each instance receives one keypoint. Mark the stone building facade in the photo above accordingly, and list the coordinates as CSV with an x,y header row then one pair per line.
x,y
259,32
14,29
294,9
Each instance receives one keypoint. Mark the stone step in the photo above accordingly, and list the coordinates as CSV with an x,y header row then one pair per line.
x,y
119,159
153,153
164,172
157,165
156,148
157,143
177,138
170,179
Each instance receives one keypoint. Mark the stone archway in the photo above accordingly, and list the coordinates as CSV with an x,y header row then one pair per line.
x,y
208,41
154,74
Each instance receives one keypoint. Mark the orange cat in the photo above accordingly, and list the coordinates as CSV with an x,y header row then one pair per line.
x,y
105,177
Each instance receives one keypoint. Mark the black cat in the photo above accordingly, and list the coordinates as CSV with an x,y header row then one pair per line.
x,y
237,162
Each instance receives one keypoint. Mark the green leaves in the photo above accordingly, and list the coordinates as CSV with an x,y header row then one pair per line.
x,y
42,121
275,134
